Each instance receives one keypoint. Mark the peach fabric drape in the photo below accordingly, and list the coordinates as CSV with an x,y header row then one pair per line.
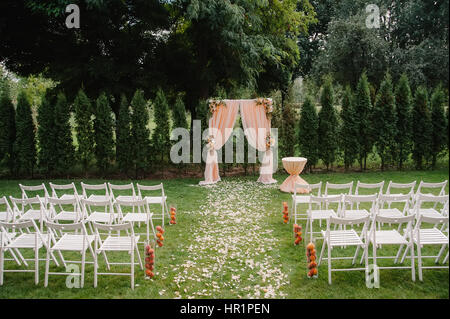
x,y
256,126
221,126
294,166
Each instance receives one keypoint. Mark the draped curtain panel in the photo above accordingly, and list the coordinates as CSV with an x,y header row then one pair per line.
x,y
256,126
221,126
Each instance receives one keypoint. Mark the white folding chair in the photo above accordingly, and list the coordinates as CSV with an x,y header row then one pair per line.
x,y
140,214
30,238
64,209
116,243
323,212
369,188
69,241
427,188
95,190
350,200
390,237
342,189
303,199
400,189
430,236
154,200
70,191
98,211
344,238
131,194
402,201
24,209
6,213
422,199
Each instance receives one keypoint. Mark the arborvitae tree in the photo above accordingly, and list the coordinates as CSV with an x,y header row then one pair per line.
x,y
328,126
46,135
422,127
448,123
7,128
349,129
179,114
84,129
161,134
103,132
403,102
25,144
363,109
123,136
308,140
140,133
384,122
438,120
64,149
287,136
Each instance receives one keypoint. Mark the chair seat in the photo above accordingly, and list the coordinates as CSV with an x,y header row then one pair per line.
x,y
302,199
343,238
389,237
68,196
73,242
427,212
321,214
356,213
27,241
390,212
70,216
101,217
136,217
99,198
155,199
431,236
5,217
112,243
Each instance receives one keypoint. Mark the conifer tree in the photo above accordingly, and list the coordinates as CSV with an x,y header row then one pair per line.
x,y
403,107
349,129
64,149
7,128
140,133
179,114
287,136
422,132
308,140
161,134
84,129
438,120
46,135
328,126
103,132
363,109
123,136
25,144
384,122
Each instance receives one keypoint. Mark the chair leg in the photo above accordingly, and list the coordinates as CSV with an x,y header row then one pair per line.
x,y
445,259
419,261
132,268
398,253
356,255
83,265
440,254
413,266
2,264
47,267
404,254
321,252
36,266
139,258
329,264
95,268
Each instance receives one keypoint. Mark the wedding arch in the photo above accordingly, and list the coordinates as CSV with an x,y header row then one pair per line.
x,y
255,115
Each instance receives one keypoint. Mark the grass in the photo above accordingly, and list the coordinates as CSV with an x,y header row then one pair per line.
x,y
230,242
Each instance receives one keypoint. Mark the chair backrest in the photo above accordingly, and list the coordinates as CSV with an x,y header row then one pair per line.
x,y
64,187
345,188
358,199
427,198
94,187
309,187
119,188
148,188
431,220
19,225
348,222
406,188
378,187
20,204
139,205
394,198
115,229
393,220
439,186
90,206
26,190
9,215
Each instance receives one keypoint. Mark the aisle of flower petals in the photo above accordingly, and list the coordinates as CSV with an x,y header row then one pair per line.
x,y
230,253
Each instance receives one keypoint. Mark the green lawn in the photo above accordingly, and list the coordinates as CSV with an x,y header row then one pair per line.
x,y
230,242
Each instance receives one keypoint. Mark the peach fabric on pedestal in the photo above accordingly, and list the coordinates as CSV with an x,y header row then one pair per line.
x,y
256,127
220,126
294,166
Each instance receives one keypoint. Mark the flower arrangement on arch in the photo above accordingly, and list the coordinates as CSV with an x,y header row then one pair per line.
x,y
270,141
214,104
267,103
211,142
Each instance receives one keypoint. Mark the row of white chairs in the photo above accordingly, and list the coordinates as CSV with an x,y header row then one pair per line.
x,y
361,188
